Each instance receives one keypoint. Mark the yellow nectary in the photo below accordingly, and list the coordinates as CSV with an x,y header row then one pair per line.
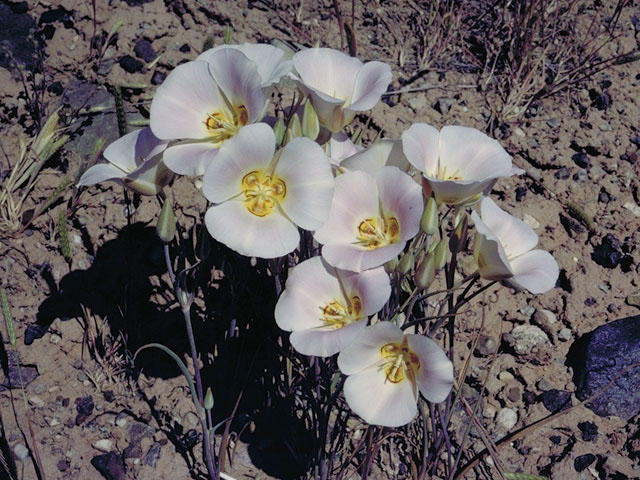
x,y
222,125
400,362
262,192
378,232
336,314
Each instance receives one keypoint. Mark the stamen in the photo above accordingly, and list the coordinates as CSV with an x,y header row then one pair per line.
x,y
262,192
378,232
400,362
336,314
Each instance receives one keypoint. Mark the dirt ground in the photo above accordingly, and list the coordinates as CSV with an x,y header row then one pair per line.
x,y
579,148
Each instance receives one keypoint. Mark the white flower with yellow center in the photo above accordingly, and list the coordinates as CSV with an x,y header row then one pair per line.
x,y
260,199
460,163
504,250
325,308
386,369
371,218
202,104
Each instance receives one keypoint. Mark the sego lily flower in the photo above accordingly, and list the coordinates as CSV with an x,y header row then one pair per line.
x,y
339,85
203,104
341,147
387,368
380,153
260,199
270,61
503,250
326,308
460,163
371,218
135,161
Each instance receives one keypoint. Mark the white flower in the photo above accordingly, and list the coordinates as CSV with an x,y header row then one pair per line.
x,y
460,163
338,85
135,161
371,218
260,199
382,152
326,308
340,147
387,368
503,250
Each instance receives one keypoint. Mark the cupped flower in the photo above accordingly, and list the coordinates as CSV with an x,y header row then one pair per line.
x,y
325,308
270,61
504,250
460,163
341,147
339,85
135,161
260,199
371,218
202,105
383,152
386,369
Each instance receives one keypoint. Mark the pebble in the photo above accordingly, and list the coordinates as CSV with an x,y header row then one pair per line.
x,y
506,419
563,173
531,221
145,51
121,420
554,400
54,422
103,445
81,376
486,345
130,64
158,77
110,465
580,176
55,339
633,208
597,173
505,376
583,461
553,122
489,412
545,386
527,310
514,395
152,456
589,431
36,401
527,337
581,159
605,127
564,335
519,132
21,452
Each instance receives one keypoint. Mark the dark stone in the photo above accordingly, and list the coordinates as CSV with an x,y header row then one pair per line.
x,y
601,355
152,456
555,439
635,140
18,7
590,302
84,407
62,465
59,14
13,370
189,439
583,461
14,33
521,192
48,32
137,3
589,431
65,402
108,396
611,308
130,64
556,400
145,51
580,176
132,451
608,253
603,197
528,397
514,394
138,430
185,48
581,159
158,77
486,346
563,173
600,100
106,64
55,88
110,465
34,332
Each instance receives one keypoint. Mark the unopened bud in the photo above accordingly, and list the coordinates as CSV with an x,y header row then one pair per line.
x,y
294,130
459,236
182,290
310,122
278,130
166,226
391,265
429,220
208,399
426,272
406,263
440,254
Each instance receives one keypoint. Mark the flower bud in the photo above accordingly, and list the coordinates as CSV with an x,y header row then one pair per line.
x,y
310,122
208,399
426,272
278,130
391,265
459,237
440,254
294,130
429,220
406,263
184,295
166,226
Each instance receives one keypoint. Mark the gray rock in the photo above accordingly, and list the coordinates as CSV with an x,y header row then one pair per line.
x,y
506,420
444,104
553,122
601,355
527,337
14,33
545,386
28,372
138,430
110,465
152,456
21,452
527,310
564,334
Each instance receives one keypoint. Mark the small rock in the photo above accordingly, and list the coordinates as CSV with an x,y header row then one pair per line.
x,y
106,64
132,451
554,400
489,412
486,346
545,386
145,51
54,339
138,430
444,104
21,452
596,173
514,395
81,376
121,420
564,334
55,88
531,221
84,407
605,127
563,173
545,319
184,48
527,310
608,253
519,132
110,465
590,301
130,64
583,461
36,401
589,431
104,445
527,337
553,122
158,77
152,456
581,159
506,420
521,192
62,465
633,208
580,176
505,376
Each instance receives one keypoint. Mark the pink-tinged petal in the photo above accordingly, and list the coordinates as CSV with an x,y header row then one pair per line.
x,y
306,172
515,236
385,152
378,401
435,376
324,343
488,253
328,71
536,271
420,143
328,109
102,172
341,147
150,177
250,150
364,352
374,287
131,150
181,105
270,236
401,196
472,153
460,192
190,158
238,78
371,82
355,197
357,258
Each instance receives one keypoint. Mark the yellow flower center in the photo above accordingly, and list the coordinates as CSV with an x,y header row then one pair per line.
x,y
336,314
400,362
443,174
262,192
222,125
378,232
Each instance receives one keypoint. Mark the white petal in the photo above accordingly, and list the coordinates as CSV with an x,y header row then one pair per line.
x,y
435,377
371,82
101,173
149,177
328,71
401,196
131,150
536,271
460,192
420,143
374,288
358,259
182,103
190,158
515,236
488,253
341,147
324,343
251,149
306,172
380,153
364,352
270,236
378,401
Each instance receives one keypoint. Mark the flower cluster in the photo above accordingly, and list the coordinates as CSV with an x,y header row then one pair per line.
x,y
363,205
